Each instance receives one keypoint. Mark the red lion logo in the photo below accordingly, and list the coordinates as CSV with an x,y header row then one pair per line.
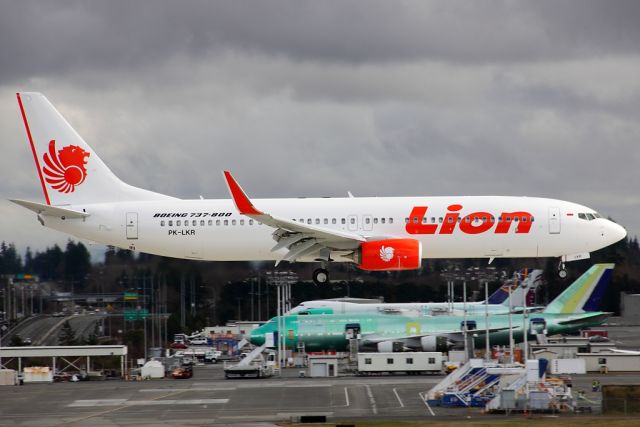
x,y
66,168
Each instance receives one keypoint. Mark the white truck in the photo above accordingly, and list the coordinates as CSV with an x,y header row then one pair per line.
x,y
411,363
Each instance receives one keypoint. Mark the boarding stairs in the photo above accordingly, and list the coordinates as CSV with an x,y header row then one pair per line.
x,y
469,385
253,365
256,353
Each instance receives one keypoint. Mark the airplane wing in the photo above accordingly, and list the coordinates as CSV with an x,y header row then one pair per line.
x,y
454,335
302,240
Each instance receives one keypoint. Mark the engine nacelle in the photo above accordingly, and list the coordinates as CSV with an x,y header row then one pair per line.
x,y
434,343
390,346
390,254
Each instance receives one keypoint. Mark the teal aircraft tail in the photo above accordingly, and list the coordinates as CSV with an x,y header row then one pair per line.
x,y
585,294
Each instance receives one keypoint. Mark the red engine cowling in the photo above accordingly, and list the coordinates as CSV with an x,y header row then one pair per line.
x,y
390,254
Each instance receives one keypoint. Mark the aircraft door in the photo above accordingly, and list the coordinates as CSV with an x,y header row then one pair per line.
x,y
132,225
352,330
554,220
352,222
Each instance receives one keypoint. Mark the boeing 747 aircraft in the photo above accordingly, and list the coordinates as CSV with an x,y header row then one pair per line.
x,y
82,197
572,310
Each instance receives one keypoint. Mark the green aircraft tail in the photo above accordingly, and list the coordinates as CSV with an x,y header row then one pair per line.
x,y
585,294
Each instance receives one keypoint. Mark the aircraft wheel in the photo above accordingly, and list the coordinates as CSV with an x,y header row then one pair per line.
x,y
562,273
320,276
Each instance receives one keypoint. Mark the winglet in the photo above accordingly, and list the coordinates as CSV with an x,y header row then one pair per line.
x,y
239,197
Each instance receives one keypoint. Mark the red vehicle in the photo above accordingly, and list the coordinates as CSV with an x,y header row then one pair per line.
x,y
183,372
179,345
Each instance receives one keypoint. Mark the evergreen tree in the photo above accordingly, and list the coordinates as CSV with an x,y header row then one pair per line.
x,y
67,335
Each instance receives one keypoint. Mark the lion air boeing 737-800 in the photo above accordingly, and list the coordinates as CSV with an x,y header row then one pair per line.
x,y
84,198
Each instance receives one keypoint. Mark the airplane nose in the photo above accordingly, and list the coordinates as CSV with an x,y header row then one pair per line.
x,y
614,232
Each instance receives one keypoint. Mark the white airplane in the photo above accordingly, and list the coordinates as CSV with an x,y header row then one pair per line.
x,y
518,290
82,197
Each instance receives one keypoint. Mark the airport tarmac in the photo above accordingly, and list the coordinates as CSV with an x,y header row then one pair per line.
x,y
208,399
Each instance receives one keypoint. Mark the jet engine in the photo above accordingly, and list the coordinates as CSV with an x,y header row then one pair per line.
x,y
390,346
435,343
389,254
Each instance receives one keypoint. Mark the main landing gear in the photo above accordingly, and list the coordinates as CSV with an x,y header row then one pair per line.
x,y
320,276
562,271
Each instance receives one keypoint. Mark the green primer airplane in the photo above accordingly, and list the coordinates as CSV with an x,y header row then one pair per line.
x,y
574,309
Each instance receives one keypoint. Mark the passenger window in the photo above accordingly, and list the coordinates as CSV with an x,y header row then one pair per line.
x,y
317,221
161,223
242,222
210,223
524,219
466,219
375,220
202,222
308,220
326,221
499,219
382,220
406,220
333,221
250,222
178,223
390,220
367,220
433,219
352,220
508,219
516,218
217,222
226,222
343,221
186,222
449,219
440,220
233,222
170,223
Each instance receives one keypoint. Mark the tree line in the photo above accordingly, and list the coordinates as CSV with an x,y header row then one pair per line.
x,y
199,293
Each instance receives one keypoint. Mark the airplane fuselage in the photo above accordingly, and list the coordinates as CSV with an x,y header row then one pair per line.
x,y
449,227
328,332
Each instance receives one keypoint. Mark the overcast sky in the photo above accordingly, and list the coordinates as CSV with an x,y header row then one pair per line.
x,y
317,98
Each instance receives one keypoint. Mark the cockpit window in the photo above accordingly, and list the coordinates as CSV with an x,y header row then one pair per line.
x,y
589,216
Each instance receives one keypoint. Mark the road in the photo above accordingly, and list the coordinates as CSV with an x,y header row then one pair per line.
x,y
43,330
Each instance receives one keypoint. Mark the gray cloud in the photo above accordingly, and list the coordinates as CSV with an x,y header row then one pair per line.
x,y
317,98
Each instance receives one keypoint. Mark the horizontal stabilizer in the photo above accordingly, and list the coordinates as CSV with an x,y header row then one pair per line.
x,y
43,209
